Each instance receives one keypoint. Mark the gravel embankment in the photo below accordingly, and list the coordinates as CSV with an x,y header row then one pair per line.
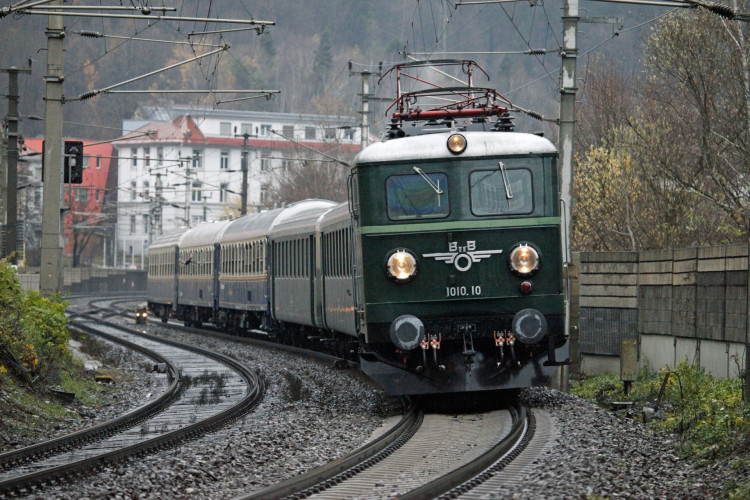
x,y
311,414
133,387
599,455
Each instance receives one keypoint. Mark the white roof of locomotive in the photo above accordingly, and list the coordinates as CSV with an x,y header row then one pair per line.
x,y
434,146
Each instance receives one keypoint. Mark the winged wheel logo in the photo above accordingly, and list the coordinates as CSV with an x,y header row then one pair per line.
x,y
462,257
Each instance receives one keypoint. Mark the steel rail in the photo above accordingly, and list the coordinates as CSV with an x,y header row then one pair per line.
x,y
50,447
328,475
252,397
477,471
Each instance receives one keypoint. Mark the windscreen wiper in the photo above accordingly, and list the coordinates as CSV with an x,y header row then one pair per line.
x,y
434,186
504,173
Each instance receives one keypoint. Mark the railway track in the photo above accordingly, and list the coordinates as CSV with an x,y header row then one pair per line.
x,y
206,391
427,456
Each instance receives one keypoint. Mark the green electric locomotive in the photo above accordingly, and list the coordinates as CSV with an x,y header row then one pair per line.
x,y
459,261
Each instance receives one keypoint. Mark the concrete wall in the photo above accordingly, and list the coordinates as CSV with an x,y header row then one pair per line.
x,y
684,304
90,280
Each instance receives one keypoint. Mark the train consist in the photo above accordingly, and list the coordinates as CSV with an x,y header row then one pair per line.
x,y
442,272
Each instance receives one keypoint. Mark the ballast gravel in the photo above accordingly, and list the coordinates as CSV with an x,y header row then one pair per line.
x,y
313,414
600,455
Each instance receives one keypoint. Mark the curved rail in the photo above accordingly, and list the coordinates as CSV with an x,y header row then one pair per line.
x,y
477,471
75,439
252,398
328,475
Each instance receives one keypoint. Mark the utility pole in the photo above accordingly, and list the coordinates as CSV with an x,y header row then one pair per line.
x,y
11,185
188,190
158,202
50,279
243,191
565,146
364,127
746,85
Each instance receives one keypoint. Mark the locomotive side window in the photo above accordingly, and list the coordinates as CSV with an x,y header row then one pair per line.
x,y
502,191
417,196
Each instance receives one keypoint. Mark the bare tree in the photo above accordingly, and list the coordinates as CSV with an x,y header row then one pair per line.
x,y
310,179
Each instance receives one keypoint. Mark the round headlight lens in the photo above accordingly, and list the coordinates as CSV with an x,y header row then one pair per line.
x,y
524,260
401,265
456,143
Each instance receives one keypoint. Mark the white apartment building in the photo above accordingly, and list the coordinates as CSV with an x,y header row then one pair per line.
x,y
182,166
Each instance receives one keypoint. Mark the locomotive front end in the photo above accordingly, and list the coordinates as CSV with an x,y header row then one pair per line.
x,y
461,287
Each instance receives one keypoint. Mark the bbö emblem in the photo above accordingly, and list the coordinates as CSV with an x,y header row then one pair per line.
x,y
462,256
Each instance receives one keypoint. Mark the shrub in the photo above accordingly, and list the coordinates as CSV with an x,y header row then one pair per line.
x,y
708,415
33,336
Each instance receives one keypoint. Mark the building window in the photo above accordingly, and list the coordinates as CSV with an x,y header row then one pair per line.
x,y
310,133
132,225
98,162
197,158
134,157
264,194
246,128
223,192
224,161
159,156
145,189
330,133
265,162
288,131
145,223
225,128
98,195
133,191
82,194
147,155
349,134
286,162
196,194
265,129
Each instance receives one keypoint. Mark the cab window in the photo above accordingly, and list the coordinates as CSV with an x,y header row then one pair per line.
x,y
501,191
417,196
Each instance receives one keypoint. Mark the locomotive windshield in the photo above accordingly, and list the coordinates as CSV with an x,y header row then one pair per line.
x,y
501,191
417,196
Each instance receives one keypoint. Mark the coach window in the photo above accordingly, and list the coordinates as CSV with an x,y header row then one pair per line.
x,y
501,191
417,196
305,263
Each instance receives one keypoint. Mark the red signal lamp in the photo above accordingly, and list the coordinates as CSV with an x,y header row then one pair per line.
x,y
526,287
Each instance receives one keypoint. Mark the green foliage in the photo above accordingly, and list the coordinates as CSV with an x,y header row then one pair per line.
x,y
708,415
33,336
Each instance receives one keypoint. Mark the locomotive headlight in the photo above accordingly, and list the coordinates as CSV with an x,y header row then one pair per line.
x,y
401,265
524,260
456,144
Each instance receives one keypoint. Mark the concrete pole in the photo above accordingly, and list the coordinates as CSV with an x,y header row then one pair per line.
x,y
568,91
365,125
11,191
50,279
243,207
746,77
188,191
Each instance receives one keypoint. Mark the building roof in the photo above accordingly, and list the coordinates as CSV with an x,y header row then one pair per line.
x,y
181,129
184,130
